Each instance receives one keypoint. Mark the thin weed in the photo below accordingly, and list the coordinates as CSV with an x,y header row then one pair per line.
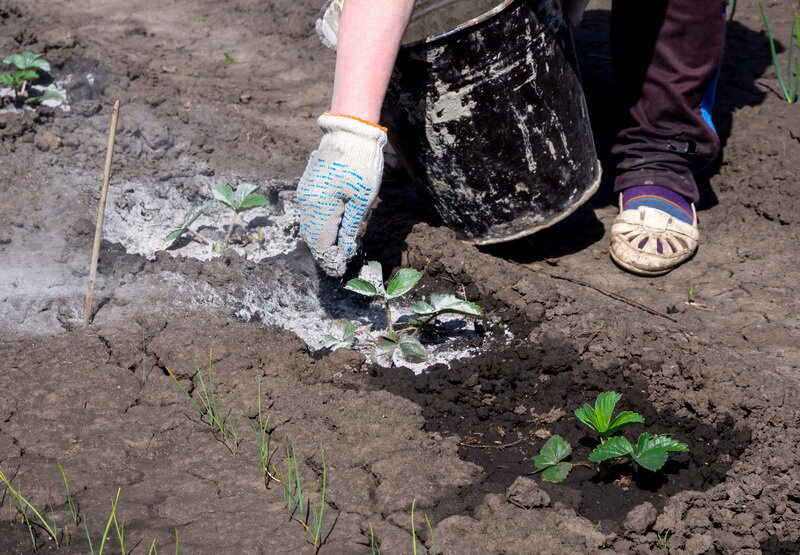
x,y
790,82
73,507
211,409
23,506
374,545
260,427
310,515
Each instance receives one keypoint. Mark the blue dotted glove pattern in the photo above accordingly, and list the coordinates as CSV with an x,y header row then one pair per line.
x,y
334,201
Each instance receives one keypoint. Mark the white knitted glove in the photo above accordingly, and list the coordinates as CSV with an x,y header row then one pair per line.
x,y
574,10
338,188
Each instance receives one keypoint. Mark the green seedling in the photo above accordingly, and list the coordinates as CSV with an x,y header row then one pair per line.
x,y
260,427
112,519
599,418
228,59
691,293
550,460
73,507
310,515
211,408
341,334
413,528
24,507
28,67
431,535
242,199
374,545
663,538
650,451
403,345
190,218
789,82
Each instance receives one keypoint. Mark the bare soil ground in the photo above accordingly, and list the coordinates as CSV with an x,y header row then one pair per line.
x,y
720,373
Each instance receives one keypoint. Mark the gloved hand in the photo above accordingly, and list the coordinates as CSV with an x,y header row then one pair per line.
x,y
338,188
574,10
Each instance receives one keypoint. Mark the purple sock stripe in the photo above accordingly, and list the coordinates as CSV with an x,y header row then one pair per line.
x,y
659,203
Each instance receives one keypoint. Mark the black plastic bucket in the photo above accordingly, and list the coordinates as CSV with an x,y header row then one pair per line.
x,y
489,116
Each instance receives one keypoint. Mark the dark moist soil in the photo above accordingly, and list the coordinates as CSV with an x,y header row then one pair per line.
x,y
719,371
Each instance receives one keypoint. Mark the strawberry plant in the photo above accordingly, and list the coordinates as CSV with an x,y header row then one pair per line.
x,y
27,67
599,418
650,451
403,345
242,199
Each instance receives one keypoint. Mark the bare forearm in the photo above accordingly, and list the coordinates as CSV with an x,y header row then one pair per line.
x,y
370,32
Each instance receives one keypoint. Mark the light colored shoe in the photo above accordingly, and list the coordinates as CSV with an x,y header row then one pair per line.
x,y
638,233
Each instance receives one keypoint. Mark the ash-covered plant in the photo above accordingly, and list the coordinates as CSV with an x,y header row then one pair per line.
x,y
239,200
789,82
28,65
650,451
401,345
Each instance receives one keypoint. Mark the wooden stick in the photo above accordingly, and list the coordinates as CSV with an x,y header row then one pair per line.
x,y
101,212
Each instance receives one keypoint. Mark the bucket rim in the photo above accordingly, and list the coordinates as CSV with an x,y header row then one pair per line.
x,y
431,39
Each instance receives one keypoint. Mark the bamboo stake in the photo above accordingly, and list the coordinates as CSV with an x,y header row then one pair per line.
x,y
101,212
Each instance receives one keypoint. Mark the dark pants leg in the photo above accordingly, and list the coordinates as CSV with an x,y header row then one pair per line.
x,y
666,56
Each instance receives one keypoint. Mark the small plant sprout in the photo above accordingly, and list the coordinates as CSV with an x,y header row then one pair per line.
x,y
23,507
691,293
403,345
242,199
550,460
599,418
260,427
210,408
28,66
308,514
73,508
228,59
789,82
650,451
341,334
663,538
190,218
374,545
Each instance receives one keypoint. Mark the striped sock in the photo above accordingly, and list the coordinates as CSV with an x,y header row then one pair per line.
x,y
659,198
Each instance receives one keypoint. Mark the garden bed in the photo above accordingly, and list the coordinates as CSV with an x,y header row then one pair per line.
x,y
717,367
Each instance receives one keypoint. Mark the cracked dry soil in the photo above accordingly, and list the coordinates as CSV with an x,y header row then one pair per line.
x,y
720,373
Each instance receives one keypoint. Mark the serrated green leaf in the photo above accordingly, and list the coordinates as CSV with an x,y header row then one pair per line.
x,y
341,334
587,415
623,419
651,459
613,448
46,95
193,214
372,272
174,235
412,349
403,281
25,75
447,304
362,287
28,60
224,194
386,344
666,443
557,473
7,79
253,200
556,449
604,408
541,462
242,190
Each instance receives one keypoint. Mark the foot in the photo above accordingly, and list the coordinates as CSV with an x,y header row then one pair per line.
x,y
655,231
